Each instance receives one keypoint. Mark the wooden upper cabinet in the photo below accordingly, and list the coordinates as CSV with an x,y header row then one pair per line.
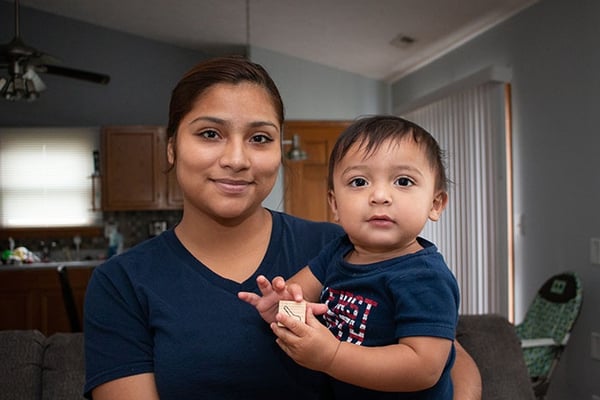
x,y
134,163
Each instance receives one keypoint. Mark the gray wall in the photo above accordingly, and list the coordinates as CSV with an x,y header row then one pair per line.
x,y
142,73
313,91
552,49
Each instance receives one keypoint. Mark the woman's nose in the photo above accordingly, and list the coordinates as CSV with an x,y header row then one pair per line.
x,y
235,154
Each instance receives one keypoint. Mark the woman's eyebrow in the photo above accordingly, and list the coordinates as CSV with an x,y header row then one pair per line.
x,y
208,118
221,121
256,124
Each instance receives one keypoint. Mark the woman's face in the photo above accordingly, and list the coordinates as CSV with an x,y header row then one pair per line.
x,y
228,151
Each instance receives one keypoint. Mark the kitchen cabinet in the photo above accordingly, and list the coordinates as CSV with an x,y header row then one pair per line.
x,y
31,298
134,170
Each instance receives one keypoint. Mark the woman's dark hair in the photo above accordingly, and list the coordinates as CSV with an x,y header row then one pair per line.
x,y
230,69
370,132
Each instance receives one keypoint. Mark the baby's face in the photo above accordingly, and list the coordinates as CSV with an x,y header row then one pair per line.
x,y
383,200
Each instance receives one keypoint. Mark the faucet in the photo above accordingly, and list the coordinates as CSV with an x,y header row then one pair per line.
x,y
46,250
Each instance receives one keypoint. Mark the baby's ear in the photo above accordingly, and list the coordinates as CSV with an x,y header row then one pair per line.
x,y
440,200
333,205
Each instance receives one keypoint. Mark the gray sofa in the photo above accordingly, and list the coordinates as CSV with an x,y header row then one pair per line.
x,y
492,342
33,366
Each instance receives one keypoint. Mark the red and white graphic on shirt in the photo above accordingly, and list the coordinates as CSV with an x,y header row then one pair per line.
x,y
348,314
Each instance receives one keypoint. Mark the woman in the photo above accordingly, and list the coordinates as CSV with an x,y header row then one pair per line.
x,y
163,320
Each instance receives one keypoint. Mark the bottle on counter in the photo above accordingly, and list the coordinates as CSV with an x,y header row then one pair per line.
x,y
115,240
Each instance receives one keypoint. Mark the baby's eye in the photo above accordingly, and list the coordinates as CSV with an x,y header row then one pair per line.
x,y
404,181
261,138
358,182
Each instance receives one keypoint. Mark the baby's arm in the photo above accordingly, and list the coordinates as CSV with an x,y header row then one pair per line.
x,y
302,286
414,363
305,285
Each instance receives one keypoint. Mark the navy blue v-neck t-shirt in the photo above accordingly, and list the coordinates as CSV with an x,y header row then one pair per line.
x,y
156,308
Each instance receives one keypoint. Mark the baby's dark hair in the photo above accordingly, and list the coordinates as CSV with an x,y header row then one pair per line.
x,y
370,132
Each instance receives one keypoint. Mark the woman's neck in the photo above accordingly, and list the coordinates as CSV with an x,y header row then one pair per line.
x,y
232,249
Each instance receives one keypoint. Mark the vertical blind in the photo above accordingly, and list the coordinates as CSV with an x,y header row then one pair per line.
x,y
45,176
472,232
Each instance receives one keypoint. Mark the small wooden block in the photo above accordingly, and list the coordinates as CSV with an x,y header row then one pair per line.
x,y
293,309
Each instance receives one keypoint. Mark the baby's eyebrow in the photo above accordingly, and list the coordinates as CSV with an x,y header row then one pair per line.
x,y
408,168
405,168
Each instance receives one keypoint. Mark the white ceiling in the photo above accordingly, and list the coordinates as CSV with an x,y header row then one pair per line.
x,y
351,35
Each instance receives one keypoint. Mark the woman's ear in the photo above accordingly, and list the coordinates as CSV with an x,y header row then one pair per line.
x,y
171,150
440,200
333,204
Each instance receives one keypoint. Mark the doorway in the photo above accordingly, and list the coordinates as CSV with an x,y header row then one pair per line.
x,y
305,183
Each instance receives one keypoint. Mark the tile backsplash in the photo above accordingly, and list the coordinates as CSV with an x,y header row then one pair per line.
x,y
137,226
134,226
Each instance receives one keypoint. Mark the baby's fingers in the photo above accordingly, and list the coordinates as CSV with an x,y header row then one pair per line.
x,y
295,291
249,297
318,308
264,285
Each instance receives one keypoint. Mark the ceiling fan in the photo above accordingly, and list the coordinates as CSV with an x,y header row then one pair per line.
x,y
23,63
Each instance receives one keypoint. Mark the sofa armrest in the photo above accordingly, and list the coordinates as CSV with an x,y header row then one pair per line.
x,y
493,343
22,355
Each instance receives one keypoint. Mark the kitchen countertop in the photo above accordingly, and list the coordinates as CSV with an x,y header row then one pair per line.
x,y
51,265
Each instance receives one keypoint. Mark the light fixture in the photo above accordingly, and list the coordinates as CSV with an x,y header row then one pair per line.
x,y
22,64
295,153
19,85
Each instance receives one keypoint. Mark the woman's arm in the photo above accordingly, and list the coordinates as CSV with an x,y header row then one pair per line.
x,y
465,376
135,387
415,363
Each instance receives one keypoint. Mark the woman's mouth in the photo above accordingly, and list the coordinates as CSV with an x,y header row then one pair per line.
x,y
232,186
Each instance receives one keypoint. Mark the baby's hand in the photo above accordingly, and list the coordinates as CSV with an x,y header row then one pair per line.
x,y
310,344
268,304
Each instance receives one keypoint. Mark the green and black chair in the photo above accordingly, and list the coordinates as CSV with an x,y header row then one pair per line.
x,y
545,331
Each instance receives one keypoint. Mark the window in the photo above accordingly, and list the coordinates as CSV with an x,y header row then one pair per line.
x,y
474,233
45,176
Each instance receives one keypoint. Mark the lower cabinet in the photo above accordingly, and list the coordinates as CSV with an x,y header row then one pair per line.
x,y
32,298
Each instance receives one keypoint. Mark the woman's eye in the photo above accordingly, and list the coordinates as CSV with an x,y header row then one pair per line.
x,y
358,182
261,139
404,182
209,134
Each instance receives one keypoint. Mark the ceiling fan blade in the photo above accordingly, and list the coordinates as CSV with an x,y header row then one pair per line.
x,y
44,59
74,73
